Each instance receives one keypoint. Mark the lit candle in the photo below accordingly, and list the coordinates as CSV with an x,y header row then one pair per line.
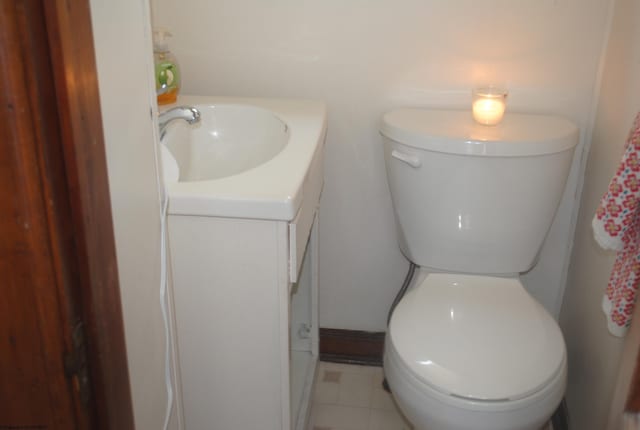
x,y
489,105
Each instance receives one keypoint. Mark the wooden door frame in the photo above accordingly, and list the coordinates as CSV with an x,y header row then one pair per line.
x,y
74,66
60,92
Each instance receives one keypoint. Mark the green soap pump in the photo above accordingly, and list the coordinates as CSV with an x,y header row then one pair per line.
x,y
166,68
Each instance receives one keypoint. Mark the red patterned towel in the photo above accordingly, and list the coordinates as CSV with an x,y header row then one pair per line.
x,y
616,226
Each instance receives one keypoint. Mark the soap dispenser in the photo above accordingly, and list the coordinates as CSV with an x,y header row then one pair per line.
x,y
166,68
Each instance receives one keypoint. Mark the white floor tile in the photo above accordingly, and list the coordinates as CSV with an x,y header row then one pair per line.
x,y
378,377
350,397
326,392
380,399
349,368
387,420
343,417
356,389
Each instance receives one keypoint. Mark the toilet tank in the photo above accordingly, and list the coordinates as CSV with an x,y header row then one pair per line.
x,y
474,198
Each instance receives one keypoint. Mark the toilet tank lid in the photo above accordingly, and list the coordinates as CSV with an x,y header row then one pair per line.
x,y
455,132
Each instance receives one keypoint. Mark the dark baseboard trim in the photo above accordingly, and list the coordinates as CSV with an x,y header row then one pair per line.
x,y
351,346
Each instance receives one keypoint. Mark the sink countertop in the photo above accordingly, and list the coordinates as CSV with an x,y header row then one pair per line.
x,y
273,190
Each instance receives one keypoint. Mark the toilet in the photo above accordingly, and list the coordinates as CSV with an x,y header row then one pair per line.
x,y
467,347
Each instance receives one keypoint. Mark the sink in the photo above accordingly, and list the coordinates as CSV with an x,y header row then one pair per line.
x,y
228,139
246,158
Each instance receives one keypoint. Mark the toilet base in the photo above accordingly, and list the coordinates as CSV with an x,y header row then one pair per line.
x,y
428,409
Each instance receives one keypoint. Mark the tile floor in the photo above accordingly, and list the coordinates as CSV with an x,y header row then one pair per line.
x,y
349,397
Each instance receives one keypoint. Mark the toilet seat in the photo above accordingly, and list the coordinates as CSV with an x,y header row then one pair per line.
x,y
429,409
478,338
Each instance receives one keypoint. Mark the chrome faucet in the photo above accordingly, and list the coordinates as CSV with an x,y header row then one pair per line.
x,y
187,113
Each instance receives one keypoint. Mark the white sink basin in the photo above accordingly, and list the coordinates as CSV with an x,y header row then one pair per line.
x,y
246,158
228,140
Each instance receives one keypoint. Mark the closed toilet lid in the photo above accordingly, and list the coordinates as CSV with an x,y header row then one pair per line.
x,y
477,337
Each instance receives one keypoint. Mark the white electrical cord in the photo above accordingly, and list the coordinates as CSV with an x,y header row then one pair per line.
x,y
164,302
164,203
164,299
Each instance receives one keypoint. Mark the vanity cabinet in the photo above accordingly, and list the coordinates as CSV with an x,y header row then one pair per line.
x,y
245,316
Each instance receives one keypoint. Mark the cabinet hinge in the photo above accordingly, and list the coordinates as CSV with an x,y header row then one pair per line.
x,y
75,364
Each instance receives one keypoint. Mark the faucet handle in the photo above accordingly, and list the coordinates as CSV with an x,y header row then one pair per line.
x,y
196,115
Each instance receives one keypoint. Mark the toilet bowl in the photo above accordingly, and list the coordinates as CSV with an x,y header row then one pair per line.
x,y
474,353
467,347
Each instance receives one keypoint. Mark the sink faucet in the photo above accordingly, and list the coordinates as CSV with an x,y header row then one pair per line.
x,y
187,113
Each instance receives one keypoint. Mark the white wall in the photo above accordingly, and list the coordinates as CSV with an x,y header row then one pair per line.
x,y
122,39
366,57
625,382
594,354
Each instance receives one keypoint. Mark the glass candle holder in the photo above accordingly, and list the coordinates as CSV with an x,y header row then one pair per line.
x,y
488,105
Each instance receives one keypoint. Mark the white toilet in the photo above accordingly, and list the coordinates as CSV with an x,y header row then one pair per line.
x,y
467,347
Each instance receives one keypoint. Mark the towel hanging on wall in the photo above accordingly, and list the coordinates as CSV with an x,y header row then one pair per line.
x,y
616,226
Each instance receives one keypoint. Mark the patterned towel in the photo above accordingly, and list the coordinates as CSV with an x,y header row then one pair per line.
x,y
616,226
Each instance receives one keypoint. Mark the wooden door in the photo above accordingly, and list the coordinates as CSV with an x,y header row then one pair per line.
x,y
62,355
